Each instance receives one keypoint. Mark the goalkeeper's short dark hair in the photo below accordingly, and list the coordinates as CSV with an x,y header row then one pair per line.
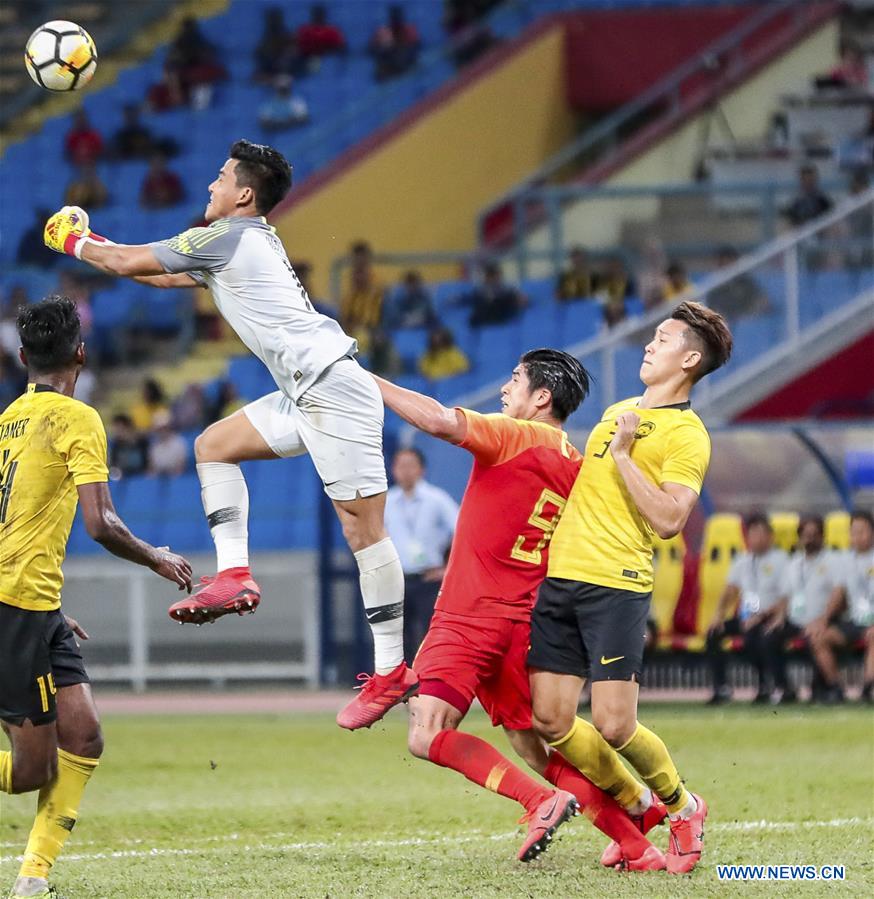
x,y
50,332
263,169
561,374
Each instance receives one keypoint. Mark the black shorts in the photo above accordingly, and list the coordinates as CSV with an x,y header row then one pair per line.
x,y
38,656
588,631
851,631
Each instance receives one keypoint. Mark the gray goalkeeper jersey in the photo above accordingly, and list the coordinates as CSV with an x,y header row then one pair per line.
x,y
255,288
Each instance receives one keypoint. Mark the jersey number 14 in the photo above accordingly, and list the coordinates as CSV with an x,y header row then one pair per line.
x,y
7,475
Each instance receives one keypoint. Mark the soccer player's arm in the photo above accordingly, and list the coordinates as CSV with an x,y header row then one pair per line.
x,y
668,504
83,446
423,412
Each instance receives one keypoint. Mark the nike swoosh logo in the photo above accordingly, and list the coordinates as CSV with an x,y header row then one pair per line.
x,y
550,813
609,661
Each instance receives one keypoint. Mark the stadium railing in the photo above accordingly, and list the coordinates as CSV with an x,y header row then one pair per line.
x,y
754,210
135,642
818,283
669,99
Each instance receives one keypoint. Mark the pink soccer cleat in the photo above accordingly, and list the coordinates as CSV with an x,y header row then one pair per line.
x,y
654,815
544,821
378,694
231,590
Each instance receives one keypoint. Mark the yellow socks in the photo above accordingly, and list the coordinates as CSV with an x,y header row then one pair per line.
x,y
592,755
57,810
5,772
650,758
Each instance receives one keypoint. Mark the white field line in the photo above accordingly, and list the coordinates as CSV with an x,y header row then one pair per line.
x,y
473,836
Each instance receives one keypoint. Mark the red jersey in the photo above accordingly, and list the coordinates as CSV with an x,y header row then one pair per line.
x,y
522,475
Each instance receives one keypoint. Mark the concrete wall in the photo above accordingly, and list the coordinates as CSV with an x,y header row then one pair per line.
x,y
747,109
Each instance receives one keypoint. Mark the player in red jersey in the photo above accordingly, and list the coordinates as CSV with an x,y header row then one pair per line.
x,y
524,468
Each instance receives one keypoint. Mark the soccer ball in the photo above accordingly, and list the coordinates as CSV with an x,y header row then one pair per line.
x,y
60,56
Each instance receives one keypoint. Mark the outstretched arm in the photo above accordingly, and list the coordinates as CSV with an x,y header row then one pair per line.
x,y
423,412
120,259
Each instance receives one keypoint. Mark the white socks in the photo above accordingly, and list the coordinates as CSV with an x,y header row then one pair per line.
x,y
226,503
644,801
382,587
687,810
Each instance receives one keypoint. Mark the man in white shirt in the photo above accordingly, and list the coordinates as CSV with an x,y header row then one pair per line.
x,y
753,588
849,615
811,576
420,519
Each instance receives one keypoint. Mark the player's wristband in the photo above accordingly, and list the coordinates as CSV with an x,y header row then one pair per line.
x,y
75,243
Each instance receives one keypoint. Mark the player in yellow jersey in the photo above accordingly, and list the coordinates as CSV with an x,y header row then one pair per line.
x,y
644,465
52,452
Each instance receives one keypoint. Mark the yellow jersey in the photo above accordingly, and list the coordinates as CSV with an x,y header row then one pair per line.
x,y
49,445
602,538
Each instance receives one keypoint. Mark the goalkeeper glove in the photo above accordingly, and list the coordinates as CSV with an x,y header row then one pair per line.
x,y
67,231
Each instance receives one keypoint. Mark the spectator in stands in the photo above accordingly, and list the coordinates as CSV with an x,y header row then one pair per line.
x,y
469,35
168,453
677,284
127,449
741,295
753,588
304,271
651,272
168,93
810,579
83,143
409,305
9,306
13,379
31,248
442,358
849,615
577,281
850,72
319,37
420,519
277,53
162,187
612,289
195,59
811,202
189,409
395,46
135,141
361,304
86,189
227,402
493,302
385,360
284,109
857,228
71,284
152,401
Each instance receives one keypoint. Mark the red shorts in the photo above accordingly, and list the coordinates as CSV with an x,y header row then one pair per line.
x,y
463,657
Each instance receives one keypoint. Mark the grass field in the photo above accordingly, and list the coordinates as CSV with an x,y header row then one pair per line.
x,y
264,806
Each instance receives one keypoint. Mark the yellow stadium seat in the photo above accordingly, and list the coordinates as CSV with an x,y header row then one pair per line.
x,y
837,530
668,556
785,525
723,540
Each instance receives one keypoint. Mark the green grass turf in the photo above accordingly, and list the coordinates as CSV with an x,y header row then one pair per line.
x,y
296,807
